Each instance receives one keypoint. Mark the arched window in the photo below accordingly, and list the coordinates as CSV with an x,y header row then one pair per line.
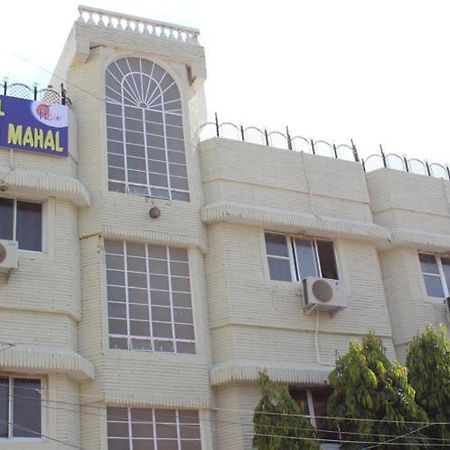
x,y
145,131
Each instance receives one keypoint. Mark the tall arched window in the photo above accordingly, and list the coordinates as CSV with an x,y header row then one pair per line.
x,y
145,131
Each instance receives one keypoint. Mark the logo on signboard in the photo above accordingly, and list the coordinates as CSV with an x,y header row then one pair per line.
x,y
49,114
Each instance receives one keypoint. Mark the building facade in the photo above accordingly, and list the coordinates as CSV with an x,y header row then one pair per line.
x,y
160,272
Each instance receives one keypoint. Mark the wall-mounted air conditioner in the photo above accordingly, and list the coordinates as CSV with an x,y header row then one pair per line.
x,y
9,256
323,294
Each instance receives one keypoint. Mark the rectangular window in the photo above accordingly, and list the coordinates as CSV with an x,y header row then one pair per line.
x,y
21,221
436,274
20,408
153,429
149,298
313,402
291,258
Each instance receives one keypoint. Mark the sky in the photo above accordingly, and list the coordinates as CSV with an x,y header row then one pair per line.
x,y
375,71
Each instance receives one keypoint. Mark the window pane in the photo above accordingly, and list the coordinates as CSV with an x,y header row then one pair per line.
x,y
6,218
4,400
446,268
428,263
327,259
306,258
276,244
29,226
434,286
279,269
27,408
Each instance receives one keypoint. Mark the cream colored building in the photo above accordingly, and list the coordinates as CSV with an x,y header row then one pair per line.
x,y
123,331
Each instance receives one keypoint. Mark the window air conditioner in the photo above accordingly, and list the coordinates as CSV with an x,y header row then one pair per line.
x,y
9,256
323,294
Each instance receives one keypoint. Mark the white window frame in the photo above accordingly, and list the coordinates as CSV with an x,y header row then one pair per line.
x,y
440,275
42,391
43,222
127,90
294,261
155,438
152,338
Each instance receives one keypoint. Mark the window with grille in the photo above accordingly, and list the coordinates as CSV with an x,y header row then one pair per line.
x,y
153,429
149,298
146,153
292,258
20,408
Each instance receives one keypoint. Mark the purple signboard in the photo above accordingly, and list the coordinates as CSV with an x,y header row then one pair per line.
x,y
33,126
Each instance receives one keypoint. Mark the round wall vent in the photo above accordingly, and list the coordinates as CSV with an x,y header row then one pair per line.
x,y
322,291
2,253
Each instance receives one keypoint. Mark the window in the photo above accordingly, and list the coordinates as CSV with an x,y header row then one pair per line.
x,y
436,274
146,154
153,429
313,402
292,258
149,298
21,221
20,408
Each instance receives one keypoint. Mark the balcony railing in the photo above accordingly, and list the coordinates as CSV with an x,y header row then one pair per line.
x,y
48,94
139,25
349,152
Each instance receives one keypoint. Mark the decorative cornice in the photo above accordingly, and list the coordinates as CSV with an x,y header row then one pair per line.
x,y
422,240
292,222
244,371
138,234
45,183
166,400
37,358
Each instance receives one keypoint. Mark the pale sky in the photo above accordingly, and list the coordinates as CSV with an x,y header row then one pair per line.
x,y
375,71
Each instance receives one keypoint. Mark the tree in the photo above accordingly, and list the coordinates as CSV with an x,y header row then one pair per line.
x,y
278,420
372,399
428,363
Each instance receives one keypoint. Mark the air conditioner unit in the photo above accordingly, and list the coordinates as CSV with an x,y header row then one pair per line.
x,y
9,256
323,294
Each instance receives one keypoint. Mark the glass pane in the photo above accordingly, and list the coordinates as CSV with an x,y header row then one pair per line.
x,y
4,393
434,286
446,268
300,397
27,408
279,269
29,226
6,218
327,259
306,258
276,244
428,263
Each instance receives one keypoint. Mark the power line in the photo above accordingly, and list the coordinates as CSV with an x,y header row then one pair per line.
x,y
37,434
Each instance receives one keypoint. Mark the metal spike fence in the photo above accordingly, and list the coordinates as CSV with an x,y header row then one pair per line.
x,y
48,94
349,152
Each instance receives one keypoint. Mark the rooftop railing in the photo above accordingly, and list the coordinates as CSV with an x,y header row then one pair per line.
x,y
286,140
48,94
139,25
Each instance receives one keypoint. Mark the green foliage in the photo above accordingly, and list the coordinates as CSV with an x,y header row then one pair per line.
x,y
428,363
366,385
277,420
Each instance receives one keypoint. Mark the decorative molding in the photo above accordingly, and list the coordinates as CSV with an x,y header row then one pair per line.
x,y
166,400
45,183
138,234
38,358
240,371
422,240
277,219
